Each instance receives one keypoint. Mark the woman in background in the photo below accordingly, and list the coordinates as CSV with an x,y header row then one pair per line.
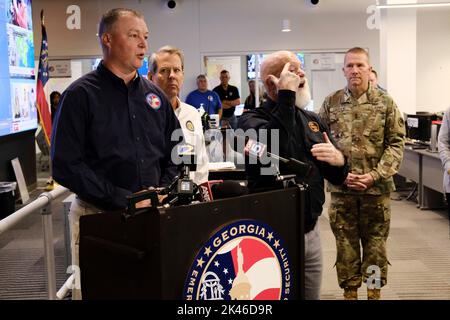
x,y
54,101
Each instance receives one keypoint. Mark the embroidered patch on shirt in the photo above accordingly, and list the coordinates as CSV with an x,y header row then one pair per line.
x,y
153,100
314,126
190,125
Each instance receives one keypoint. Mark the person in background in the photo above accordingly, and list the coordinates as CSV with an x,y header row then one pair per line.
x,y
229,95
303,136
208,99
112,135
166,70
369,129
250,101
373,79
54,101
444,154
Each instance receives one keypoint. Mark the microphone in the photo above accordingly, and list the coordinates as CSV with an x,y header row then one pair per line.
x,y
205,190
188,156
182,189
228,189
257,150
170,187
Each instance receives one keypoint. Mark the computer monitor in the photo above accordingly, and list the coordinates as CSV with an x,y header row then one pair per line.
x,y
418,126
251,63
18,110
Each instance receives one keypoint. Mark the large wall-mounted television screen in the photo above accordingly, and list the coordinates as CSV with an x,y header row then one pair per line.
x,y
251,63
17,73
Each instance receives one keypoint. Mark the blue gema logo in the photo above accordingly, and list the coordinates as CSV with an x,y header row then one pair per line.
x,y
245,260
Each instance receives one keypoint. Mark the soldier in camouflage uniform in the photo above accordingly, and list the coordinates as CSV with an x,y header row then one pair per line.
x,y
369,130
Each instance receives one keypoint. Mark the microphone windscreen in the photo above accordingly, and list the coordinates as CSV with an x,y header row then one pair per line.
x,y
228,189
254,148
206,190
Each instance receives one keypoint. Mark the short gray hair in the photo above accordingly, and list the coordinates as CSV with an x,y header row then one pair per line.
x,y
152,63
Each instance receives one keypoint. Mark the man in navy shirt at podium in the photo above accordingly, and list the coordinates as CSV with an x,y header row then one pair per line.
x,y
112,132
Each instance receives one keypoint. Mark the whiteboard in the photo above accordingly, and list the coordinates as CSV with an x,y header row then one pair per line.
x,y
216,64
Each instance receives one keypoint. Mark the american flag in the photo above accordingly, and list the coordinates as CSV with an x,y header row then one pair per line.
x,y
41,101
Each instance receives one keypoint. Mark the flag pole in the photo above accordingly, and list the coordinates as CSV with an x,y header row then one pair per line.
x,y
42,78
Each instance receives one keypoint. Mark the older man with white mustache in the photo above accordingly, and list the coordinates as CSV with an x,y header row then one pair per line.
x,y
303,136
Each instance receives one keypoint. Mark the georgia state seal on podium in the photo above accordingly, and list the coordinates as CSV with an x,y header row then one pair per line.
x,y
244,260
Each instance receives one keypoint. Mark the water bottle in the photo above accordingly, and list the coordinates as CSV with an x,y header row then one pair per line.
x,y
204,117
201,110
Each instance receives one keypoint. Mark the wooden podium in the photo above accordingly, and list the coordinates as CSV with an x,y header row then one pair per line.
x,y
162,252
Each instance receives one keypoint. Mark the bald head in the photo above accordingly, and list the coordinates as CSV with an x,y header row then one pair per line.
x,y
274,63
292,78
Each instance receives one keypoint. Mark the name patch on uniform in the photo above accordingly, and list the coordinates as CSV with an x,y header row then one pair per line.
x,y
190,125
314,126
153,101
244,260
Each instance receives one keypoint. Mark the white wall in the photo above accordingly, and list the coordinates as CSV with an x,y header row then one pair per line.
x,y
399,47
217,27
433,60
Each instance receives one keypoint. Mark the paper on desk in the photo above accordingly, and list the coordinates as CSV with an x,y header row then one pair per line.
x,y
221,166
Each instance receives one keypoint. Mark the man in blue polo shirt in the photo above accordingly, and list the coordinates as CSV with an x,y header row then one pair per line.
x,y
208,99
112,131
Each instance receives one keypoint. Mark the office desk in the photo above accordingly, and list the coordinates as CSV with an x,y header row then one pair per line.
x,y
411,165
431,186
424,167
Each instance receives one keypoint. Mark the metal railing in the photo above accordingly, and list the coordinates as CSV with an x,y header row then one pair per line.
x,y
42,203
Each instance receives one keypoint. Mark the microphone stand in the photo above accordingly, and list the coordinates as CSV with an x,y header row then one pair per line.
x,y
288,180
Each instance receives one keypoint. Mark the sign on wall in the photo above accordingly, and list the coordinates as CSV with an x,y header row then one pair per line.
x,y
59,68
323,61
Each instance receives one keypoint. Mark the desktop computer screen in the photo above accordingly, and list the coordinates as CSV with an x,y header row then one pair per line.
x,y
251,63
418,126
17,73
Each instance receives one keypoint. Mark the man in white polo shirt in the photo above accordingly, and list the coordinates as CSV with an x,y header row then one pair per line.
x,y
166,70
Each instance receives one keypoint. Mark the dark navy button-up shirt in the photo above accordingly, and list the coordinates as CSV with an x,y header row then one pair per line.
x,y
110,140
